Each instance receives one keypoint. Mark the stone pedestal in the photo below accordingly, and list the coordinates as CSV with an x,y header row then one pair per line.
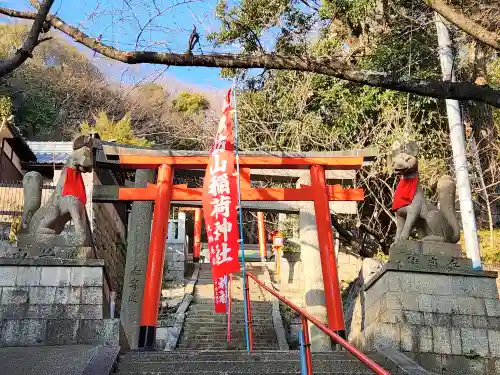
x,y
435,308
176,251
53,301
64,245
175,263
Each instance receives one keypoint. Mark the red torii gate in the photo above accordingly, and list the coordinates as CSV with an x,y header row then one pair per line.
x,y
164,191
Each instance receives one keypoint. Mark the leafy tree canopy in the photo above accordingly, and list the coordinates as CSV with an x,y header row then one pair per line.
x,y
111,130
189,103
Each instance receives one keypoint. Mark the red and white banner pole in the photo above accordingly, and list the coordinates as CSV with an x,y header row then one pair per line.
x,y
220,197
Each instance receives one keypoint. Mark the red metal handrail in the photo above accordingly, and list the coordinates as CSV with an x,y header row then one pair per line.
x,y
305,316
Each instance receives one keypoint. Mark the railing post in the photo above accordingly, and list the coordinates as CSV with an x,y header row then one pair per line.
x,y
307,344
302,352
262,236
249,309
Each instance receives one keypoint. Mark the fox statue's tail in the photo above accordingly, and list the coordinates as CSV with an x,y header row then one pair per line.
x,y
446,193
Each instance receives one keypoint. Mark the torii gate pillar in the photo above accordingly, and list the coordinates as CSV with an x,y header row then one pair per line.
x,y
333,297
156,258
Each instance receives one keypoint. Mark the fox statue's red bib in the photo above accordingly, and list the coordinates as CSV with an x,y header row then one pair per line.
x,y
73,185
405,191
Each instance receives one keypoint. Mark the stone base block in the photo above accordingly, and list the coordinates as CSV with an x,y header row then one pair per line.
x,y
67,245
429,256
440,249
438,313
51,288
28,332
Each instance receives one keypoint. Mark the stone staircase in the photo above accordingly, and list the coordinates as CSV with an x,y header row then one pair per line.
x,y
203,348
225,362
206,330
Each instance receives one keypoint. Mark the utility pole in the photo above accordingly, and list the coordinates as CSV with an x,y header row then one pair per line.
x,y
457,136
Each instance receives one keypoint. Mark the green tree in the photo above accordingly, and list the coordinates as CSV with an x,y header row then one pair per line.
x,y
189,103
494,80
53,92
5,105
119,131
294,111
58,89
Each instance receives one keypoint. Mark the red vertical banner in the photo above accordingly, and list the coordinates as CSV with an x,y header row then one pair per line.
x,y
220,197
220,295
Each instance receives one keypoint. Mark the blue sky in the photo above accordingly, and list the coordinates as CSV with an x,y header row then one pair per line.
x,y
120,22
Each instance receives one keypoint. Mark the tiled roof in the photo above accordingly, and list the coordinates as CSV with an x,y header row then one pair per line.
x,y
51,152
51,158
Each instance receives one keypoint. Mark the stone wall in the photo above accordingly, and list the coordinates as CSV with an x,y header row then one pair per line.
x,y
29,332
440,319
109,241
49,301
51,288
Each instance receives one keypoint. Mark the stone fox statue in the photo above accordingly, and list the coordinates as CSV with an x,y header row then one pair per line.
x,y
412,208
66,202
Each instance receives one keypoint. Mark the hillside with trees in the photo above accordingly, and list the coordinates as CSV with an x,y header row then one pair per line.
x,y
61,92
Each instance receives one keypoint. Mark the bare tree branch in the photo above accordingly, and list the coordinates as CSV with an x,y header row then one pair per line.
x,y
465,24
26,51
334,67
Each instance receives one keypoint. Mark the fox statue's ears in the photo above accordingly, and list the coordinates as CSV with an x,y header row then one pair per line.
x,y
82,141
410,148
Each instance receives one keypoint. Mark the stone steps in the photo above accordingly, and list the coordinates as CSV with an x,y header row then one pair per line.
x,y
255,306
229,355
250,371
214,321
208,309
329,372
216,326
205,329
235,362
259,336
285,366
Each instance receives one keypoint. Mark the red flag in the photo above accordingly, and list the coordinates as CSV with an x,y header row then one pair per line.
x,y
220,295
220,198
